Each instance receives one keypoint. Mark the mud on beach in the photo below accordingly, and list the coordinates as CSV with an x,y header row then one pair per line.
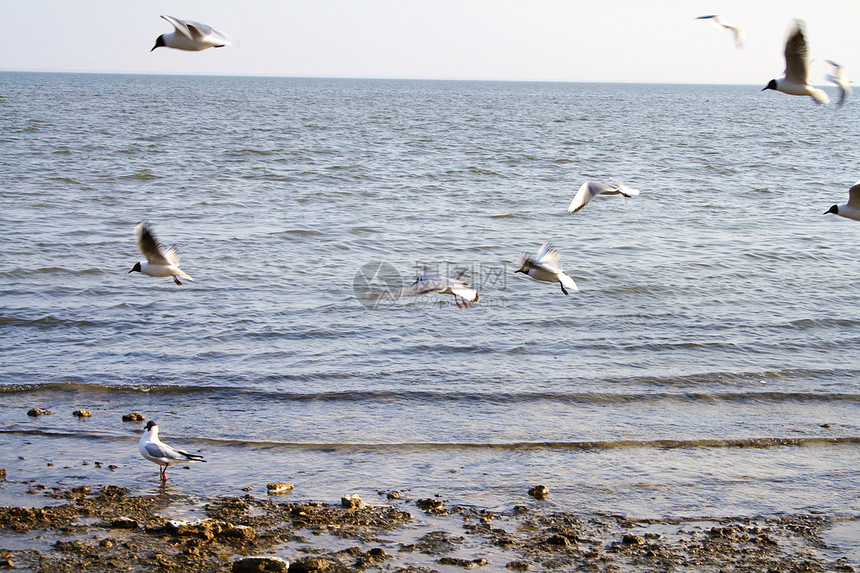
x,y
107,529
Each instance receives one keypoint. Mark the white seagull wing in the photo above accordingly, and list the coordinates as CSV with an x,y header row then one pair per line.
x,y
149,245
796,52
162,451
854,196
208,33
421,286
171,255
180,25
548,259
587,191
622,187
738,34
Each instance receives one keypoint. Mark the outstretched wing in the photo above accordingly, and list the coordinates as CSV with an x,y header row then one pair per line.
x,y
854,196
149,245
548,259
796,51
180,25
587,191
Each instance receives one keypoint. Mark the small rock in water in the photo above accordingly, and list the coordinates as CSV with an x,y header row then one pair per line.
x,y
539,492
279,487
82,413
351,501
133,417
429,504
518,565
260,564
37,412
2,473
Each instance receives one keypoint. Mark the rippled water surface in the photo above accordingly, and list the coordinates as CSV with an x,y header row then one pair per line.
x,y
708,364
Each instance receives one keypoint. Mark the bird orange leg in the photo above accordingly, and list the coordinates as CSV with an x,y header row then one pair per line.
x,y
163,473
562,289
176,280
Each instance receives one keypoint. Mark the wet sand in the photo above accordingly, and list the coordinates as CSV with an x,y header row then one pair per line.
x,y
108,529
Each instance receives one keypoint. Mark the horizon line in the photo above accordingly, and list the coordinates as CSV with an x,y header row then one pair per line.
x,y
384,78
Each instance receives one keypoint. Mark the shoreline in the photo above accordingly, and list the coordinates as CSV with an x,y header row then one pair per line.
x,y
107,528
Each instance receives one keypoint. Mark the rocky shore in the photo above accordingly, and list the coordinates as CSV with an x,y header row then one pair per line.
x,y
107,529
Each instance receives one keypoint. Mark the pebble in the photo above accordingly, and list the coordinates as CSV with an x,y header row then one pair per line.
x,y
279,487
133,417
539,492
82,413
37,412
429,504
351,501
260,564
2,473
518,565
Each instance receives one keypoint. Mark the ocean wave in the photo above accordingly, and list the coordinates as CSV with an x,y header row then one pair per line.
x,y
388,396
750,442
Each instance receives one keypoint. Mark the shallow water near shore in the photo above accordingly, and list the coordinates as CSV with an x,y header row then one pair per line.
x,y
707,366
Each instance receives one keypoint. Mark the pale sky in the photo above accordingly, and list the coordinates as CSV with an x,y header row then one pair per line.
x,y
555,40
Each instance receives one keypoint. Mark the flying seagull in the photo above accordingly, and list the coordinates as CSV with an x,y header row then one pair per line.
x,y
546,266
738,33
851,209
191,36
160,262
160,453
426,284
591,189
796,78
840,79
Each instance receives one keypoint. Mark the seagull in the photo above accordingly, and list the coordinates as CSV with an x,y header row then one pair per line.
x,y
851,209
840,79
157,451
796,78
545,267
426,284
738,33
591,189
159,262
191,36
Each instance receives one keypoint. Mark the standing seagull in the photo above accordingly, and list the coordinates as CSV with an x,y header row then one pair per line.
x,y
160,262
591,189
160,453
738,33
426,284
545,267
851,209
796,78
840,79
191,36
